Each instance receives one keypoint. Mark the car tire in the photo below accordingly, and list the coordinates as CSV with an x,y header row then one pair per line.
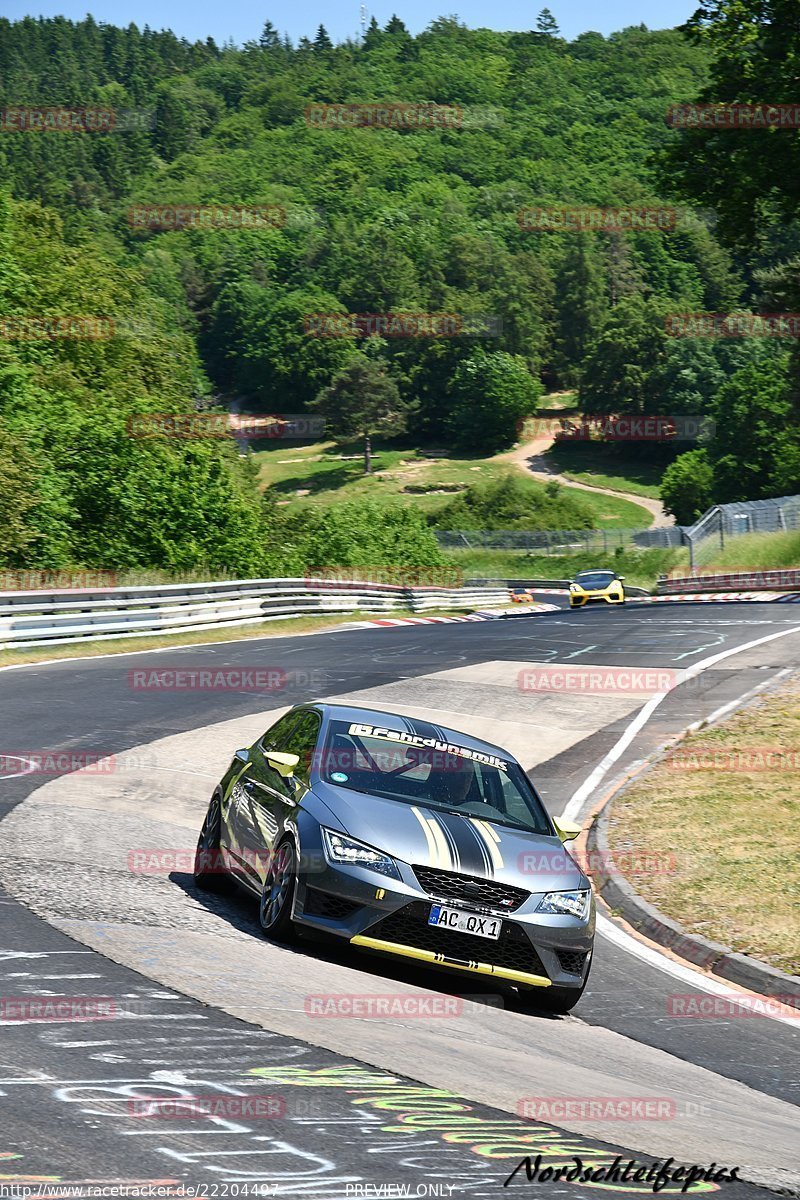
x,y
554,1001
208,852
277,894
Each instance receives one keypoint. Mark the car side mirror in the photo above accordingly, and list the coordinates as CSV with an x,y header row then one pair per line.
x,y
242,756
621,578
566,830
284,764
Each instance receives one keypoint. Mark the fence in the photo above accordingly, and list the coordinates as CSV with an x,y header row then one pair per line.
x,y
41,618
705,538
558,541
720,524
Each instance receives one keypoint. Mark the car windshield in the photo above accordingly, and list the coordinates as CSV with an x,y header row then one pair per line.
x,y
415,769
595,579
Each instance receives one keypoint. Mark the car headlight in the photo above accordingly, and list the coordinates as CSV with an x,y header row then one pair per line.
x,y
574,587
348,852
567,904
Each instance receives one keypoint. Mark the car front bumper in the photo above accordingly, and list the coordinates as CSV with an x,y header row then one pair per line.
x,y
579,599
389,916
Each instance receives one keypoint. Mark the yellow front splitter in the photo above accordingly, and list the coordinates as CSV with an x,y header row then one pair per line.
x,y
441,960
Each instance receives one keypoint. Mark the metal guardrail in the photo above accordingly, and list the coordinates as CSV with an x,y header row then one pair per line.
x,y
750,581
43,618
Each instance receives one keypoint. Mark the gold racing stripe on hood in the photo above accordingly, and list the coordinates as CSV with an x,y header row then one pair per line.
x,y
432,853
446,859
491,839
437,846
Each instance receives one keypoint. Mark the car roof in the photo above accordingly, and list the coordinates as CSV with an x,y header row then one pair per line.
x,y
405,724
596,571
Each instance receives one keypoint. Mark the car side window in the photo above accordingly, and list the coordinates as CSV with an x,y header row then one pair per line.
x,y
277,735
302,740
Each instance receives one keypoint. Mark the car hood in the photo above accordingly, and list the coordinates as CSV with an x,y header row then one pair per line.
x,y
430,837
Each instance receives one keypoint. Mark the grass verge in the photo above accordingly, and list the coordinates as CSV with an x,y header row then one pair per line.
x,y
758,551
623,468
323,474
727,811
641,568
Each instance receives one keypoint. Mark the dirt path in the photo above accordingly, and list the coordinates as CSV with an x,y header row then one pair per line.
x,y
532,458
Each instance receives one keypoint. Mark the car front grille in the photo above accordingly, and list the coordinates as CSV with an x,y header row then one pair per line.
x,y
471,889
571,961
322,904
409,927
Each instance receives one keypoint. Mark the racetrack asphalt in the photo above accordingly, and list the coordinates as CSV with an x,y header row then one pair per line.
x,y
89,705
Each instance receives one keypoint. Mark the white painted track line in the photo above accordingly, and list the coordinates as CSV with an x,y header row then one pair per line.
x,y
605,927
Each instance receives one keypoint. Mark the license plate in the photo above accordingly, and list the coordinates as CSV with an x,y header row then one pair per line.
x,y
464,922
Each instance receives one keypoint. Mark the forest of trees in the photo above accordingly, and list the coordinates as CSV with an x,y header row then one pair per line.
x,y
378,220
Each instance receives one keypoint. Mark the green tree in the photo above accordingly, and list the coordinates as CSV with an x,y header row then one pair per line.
x,y
687,486
18,499
512,501
270,38
365,534
363,401
749,176
547,24
581,305
621,370
322,40
754,418
490,393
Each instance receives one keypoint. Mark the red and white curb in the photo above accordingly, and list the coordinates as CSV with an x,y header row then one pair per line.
x,y
713,597
528,611
389,621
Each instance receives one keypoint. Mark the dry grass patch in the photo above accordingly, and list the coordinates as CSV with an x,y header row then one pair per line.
x,y
726,805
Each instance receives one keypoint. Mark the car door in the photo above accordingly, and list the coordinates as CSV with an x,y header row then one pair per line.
x,y
249,845
271,798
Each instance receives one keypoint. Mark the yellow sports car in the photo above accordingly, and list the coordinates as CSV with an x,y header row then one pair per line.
x,y
588,586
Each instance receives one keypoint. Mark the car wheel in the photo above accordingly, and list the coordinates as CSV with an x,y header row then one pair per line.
x,y
555,1001
208,873
277,895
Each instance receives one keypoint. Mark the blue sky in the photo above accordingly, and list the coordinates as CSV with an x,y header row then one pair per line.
x,y
242,19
